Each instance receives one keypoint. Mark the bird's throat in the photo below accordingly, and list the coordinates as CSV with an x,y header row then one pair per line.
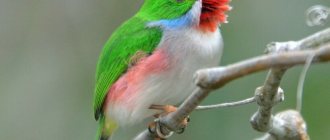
x,y
213,14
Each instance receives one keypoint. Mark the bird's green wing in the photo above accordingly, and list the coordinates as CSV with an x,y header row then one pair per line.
x,y
131,37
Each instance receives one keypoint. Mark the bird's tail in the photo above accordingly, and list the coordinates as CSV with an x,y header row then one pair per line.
x,y
105,128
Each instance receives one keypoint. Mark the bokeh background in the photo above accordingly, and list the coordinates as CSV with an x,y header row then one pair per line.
x,y
49,50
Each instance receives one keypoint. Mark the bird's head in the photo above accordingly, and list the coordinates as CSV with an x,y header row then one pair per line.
x,y
207,14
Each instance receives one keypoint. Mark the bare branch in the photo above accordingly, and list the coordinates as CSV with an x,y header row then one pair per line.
x,y
173,120
310,42
217,77
263,120
287,125
213,78
316,40
267,97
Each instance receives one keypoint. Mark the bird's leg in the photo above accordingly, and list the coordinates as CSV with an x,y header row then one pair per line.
x,y
166,109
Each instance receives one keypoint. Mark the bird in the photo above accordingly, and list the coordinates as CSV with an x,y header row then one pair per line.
x,y
151,58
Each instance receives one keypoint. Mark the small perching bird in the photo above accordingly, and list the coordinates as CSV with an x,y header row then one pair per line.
x,y
151,59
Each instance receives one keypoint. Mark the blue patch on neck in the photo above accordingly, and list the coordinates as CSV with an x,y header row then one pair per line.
x,y
184,21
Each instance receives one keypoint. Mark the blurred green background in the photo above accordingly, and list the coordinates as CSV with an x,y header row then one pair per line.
x,y
49,50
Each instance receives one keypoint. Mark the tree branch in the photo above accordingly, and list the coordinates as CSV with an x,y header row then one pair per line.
x,y
213,78
267,97
287,125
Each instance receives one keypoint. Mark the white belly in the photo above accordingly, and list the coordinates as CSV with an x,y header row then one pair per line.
x,y
189,50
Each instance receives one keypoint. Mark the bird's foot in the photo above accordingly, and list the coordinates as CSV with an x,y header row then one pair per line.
x,y
166,110
154,127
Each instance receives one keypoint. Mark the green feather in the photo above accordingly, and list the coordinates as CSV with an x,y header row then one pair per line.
x,y
124,43
129,38
132,36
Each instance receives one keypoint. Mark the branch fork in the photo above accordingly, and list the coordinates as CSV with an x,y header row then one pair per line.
x,y
280,57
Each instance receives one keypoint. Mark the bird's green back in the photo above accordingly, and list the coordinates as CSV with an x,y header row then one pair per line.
x,y
131,37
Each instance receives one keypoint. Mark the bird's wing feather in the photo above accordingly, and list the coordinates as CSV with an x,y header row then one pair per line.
x,y
131,37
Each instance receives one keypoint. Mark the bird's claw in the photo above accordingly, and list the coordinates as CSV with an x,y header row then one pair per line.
x,y
184,123
156,128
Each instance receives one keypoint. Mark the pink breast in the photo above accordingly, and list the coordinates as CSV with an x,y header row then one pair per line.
x,y
129,83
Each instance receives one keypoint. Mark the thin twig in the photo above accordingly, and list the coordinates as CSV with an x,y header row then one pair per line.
x,y
223,105
300,88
